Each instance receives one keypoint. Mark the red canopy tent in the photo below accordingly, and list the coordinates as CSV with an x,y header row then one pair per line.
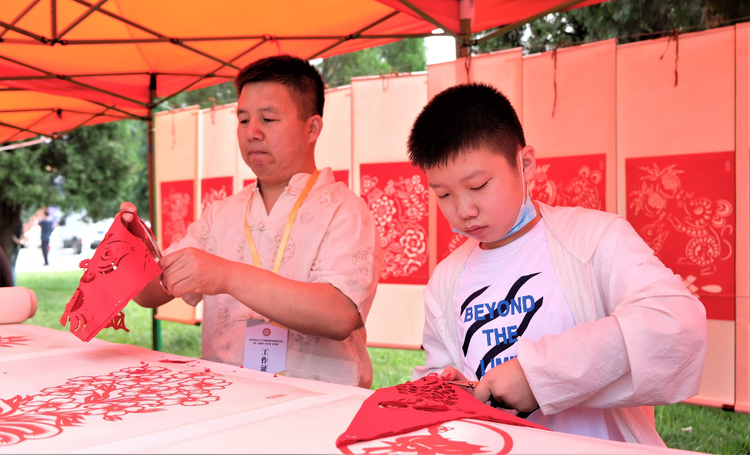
x,y
124,57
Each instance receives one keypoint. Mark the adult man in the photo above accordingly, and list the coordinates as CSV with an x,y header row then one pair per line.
x,y
47,225
327,263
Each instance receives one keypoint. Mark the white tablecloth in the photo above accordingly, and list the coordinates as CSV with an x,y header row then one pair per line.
x,y
60,395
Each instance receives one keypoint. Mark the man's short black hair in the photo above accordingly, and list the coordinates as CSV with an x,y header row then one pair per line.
x,y
462,118
300,77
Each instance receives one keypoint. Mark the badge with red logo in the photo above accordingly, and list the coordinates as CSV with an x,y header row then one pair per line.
x,y
265,347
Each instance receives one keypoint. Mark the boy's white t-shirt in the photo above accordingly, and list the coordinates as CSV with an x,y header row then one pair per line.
x,y
525,299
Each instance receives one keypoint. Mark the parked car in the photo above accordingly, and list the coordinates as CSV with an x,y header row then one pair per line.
x,y
100,228
71,229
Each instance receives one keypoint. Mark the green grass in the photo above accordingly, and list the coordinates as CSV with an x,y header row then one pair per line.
x,y
681,426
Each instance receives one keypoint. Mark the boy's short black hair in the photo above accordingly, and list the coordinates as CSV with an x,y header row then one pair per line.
x,y
300,77
462,118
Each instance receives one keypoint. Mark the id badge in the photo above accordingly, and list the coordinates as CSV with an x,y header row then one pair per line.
x,y
265,347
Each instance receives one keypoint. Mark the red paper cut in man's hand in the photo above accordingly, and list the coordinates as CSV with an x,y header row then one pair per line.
x,y
122,265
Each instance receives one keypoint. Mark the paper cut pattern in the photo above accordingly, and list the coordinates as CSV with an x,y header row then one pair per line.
x,y
397,196
414,405
122,265
133,390
342,176
215,189
683,208
571,181
10,341
176,210
457,437
247,182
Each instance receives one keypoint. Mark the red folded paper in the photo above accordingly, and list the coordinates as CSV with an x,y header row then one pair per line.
x,y
414,405
122,265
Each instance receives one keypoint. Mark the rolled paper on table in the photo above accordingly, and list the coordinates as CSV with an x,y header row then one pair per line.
x,y
17,304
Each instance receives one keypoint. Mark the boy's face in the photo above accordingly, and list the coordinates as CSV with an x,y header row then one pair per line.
x,y
273,140
480,193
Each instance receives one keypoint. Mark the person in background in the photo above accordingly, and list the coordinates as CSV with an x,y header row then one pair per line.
x,y
319,281
563,314
47,225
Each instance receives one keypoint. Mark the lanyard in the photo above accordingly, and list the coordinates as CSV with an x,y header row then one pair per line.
x,y
287,229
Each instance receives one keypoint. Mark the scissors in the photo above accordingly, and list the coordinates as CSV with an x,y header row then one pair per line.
x,y
139,229
492,401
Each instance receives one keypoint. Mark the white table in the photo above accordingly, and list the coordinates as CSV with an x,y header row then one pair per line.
x,y
61,395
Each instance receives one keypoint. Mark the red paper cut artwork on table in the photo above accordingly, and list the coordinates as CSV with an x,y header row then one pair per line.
x,y
133,390
397,196
571,181
342,176
683,207
176,210
408,407
122,265
215,189
10,341
564,181
458,437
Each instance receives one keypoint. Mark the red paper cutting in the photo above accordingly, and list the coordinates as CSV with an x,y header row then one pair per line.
x,y
571,181
176,210
420,404
122,265
342,176
397,196
215,189
683,207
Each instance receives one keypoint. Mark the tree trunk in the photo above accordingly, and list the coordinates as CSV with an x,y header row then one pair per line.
x,y
10,216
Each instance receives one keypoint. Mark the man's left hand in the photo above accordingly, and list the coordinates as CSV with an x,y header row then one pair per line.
x,y
193,270
507,383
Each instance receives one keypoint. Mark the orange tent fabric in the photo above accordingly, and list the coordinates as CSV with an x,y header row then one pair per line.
x,y
126,54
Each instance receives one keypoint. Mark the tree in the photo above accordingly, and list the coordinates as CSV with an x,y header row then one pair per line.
x,y
92,168
401,56
626,20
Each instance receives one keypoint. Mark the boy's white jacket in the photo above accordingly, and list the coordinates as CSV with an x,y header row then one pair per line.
x,y
639,339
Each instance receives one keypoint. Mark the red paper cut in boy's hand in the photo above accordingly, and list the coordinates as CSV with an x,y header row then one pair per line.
x,y
122,265
414,405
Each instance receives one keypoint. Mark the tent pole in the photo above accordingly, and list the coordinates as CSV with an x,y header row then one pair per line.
x,y
466,15
155,323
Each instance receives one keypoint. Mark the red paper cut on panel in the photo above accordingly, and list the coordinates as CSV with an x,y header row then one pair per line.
x,y
397,196
215,189
571,181
414,405
133,390
248,182
176,210
342,176
683,207
122,265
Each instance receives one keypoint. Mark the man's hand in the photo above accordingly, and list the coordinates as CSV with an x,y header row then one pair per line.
x,y
508,384
193,270
129,208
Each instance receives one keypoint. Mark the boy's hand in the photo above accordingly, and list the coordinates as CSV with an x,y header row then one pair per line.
x,y
508,384
193,270
452,374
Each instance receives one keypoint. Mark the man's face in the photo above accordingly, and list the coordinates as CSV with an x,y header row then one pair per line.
x,y
480,193
273,140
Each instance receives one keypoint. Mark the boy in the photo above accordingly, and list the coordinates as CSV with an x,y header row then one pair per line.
x,y
328,265
563,313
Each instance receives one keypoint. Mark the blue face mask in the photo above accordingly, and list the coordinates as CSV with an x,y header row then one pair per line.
x,y
526,213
